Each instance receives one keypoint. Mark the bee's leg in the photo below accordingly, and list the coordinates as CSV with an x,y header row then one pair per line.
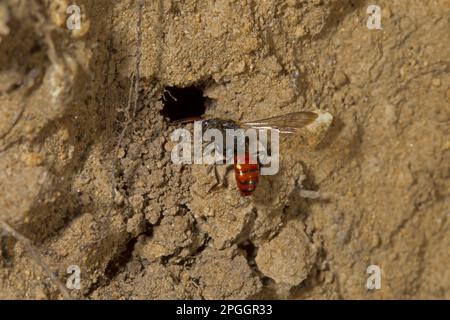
x,y
213,168
221,181
228,168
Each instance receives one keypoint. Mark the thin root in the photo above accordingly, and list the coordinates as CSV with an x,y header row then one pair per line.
x,y
36,257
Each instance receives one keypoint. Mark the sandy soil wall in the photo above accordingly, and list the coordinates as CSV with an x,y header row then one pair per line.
x,y
86,174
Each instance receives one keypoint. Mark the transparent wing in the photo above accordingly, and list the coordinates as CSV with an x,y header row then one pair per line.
x,y
287,123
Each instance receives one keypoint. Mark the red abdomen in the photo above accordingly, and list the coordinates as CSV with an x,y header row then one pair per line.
x,y
247,175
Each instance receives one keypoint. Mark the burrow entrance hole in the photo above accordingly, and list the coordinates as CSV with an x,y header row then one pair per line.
x,y
183,103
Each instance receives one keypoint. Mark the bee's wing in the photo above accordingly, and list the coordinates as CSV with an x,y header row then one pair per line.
x,y
287,123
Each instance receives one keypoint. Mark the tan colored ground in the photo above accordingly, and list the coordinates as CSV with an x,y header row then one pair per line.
x,y
87,192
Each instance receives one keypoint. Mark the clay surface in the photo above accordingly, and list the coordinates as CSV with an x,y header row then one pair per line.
x,y
86,173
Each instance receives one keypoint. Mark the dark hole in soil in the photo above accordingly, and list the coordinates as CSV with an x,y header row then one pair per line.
x,y
182,103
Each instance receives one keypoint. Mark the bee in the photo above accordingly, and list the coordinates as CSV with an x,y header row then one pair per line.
x,y
247,174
